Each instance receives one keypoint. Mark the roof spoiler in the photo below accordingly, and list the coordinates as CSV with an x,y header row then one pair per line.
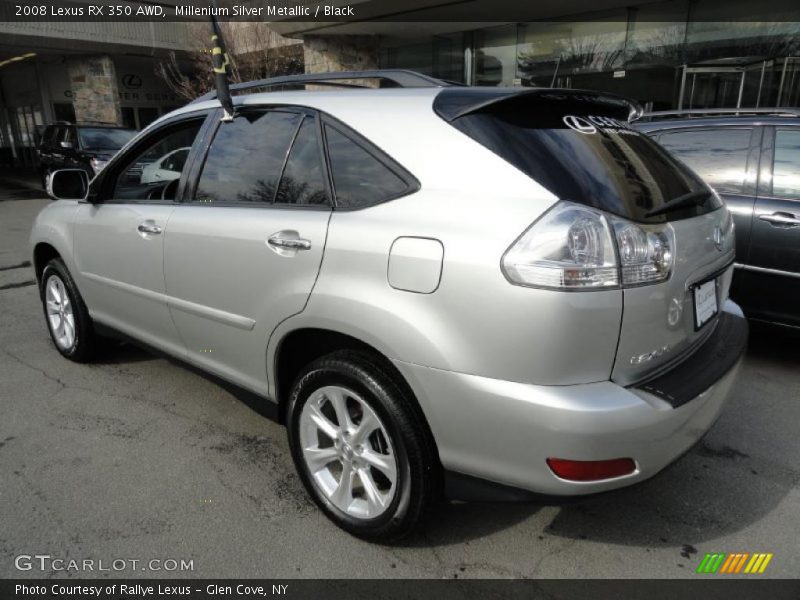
x,y
455,102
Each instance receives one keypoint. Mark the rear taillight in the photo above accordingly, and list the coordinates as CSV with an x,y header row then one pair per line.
x,y
575,247
591,470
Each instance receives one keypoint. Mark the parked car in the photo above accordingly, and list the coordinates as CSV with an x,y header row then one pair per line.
x,y
88,147
751,157
426,284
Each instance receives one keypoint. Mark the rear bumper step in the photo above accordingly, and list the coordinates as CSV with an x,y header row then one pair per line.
x,y
705,366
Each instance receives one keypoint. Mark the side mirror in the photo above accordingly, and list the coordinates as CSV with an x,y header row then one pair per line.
x,y
68,184
67,145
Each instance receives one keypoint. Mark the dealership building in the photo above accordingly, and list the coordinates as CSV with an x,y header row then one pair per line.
x,y
667,55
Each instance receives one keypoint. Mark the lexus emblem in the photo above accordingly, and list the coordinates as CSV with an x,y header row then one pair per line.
x,y
131,81
579,124
719,238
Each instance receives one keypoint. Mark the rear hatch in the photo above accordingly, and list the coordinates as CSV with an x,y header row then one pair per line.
x,y
579,146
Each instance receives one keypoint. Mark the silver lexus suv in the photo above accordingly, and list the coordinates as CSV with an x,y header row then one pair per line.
x,y
443,291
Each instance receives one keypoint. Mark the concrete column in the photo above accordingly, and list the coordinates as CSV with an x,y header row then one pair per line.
x,y
324,53
95,95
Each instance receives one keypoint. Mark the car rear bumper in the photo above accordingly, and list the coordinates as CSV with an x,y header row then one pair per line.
x,y
503,431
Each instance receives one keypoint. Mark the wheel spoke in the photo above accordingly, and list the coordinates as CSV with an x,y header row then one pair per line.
x,y
318,458
385,463
343,494
69,330
322,423
339,402
52,306
376,502
368,424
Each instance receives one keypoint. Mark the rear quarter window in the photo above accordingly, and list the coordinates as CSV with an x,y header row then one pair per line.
x,y
363,177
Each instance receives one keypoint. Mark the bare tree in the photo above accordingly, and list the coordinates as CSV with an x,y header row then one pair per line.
x,y
255,52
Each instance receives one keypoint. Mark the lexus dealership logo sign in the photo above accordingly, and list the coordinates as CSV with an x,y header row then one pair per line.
x,y
131,81
579,124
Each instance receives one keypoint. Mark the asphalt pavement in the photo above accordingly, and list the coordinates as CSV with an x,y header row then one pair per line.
x,y
138,458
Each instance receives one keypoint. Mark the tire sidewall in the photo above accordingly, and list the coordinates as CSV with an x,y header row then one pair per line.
x,y
357,379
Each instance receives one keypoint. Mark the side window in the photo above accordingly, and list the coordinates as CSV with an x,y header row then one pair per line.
x,y
302,181
246,158
718,155
143,178
359,178
786,165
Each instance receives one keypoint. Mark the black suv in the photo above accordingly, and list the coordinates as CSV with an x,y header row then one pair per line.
x,y
88,147
751,157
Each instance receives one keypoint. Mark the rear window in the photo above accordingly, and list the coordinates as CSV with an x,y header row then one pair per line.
x,y
582,149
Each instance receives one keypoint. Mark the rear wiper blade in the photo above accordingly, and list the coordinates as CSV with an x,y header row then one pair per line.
x,y
683,201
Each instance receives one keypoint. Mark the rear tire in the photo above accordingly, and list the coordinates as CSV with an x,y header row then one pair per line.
x,y
65,313
377,474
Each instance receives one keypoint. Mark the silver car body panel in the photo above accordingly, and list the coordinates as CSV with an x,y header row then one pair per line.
x,y
544,370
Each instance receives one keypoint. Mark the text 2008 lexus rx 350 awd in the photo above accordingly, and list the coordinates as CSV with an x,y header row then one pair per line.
x,y
440,289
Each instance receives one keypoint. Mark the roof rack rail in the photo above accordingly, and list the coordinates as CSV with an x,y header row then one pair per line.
x,y
710,112
399,77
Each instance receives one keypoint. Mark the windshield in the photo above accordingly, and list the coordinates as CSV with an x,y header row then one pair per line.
x,y
104,138
583,152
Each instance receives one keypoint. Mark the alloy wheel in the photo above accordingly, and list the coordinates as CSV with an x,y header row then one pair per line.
x,y
348,452
60,314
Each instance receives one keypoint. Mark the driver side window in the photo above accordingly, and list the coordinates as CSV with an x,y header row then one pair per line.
x,y
148,176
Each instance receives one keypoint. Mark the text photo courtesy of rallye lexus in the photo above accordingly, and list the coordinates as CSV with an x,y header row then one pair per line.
x,y
444,290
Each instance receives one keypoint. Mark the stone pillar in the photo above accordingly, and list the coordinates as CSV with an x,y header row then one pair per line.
x,y
324,53
95,95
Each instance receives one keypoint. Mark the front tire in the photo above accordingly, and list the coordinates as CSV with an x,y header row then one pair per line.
x,y
67,318
361,446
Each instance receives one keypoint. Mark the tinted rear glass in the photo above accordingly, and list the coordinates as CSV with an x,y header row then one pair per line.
x,y
584,151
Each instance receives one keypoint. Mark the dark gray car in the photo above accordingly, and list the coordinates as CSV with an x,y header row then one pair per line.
x,y
752,160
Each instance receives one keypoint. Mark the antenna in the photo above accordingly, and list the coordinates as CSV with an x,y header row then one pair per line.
x,y
220,62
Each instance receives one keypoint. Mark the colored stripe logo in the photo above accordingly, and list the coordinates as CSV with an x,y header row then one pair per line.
x,y
735,562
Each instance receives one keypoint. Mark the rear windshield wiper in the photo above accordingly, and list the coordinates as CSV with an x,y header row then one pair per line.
x,y
682,201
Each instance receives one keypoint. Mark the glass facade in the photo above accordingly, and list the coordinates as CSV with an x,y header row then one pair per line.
x,y
666,55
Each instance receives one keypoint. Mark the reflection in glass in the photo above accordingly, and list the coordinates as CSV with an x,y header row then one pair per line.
x,y
786,169
561,53
496,56
718,155
246,157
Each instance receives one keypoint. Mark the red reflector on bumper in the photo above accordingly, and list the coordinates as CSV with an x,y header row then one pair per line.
x,y
591,470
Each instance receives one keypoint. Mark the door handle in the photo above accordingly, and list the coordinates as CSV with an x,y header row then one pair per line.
x,y
288,240
149,228
781,219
